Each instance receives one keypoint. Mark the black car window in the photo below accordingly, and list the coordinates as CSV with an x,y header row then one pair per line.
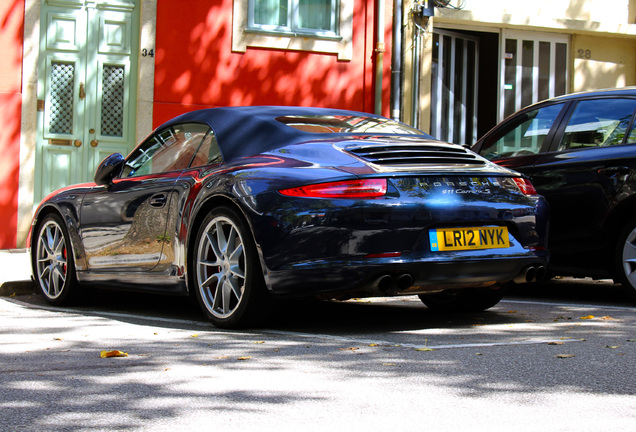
x,y
523,135
169,149
598,122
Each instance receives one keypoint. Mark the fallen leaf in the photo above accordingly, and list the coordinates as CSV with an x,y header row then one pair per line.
x,y
388,364
259,342
512,311
244,358
565,355
612,346
478,354
58,339
608,318
194,335
556,343
631,340
373,344
588,317
113,353
349,349
424,349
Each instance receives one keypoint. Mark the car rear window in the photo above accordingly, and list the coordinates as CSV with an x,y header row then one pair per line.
x,y
347,124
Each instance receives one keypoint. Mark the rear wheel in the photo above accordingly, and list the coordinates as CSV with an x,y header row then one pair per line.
x,y
625,258
53,263
463,300
228,281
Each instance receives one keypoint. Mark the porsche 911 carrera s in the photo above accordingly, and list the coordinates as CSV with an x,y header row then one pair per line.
x,y
236,206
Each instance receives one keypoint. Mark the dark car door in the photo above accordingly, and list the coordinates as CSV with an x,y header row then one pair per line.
x,y
580,167
581,175
124,224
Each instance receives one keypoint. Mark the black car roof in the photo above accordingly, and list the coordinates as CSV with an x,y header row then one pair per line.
x,y
240,126
625,91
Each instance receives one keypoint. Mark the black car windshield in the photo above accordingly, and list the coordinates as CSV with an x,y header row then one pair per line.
x,y
347,124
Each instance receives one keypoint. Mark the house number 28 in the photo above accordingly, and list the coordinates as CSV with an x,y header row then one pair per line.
x,y
584,54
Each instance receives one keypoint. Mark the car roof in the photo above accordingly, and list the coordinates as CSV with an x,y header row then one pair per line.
x,y
239,125
625,91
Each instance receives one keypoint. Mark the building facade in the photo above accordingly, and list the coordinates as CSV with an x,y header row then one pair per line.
x,y
86,78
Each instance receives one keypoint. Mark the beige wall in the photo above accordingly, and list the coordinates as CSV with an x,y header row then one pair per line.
x,y
600,62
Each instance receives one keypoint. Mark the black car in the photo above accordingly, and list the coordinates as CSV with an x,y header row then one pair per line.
x,y
230,204
580,153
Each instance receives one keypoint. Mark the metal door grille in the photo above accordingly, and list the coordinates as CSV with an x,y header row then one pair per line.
x,y
61,109
113,101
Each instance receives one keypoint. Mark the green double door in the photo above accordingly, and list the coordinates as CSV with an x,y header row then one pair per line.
x,y
87,81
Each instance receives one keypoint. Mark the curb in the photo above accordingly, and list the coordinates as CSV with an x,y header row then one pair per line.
x,y
16,288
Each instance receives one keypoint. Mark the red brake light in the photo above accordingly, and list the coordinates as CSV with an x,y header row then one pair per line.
x,y
525,186
363,188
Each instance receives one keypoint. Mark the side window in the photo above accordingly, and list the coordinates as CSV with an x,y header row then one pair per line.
x,y
598,122
524,135
208,152
169,149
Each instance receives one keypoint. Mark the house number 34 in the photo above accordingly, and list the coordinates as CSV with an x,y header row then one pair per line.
x,y
148,52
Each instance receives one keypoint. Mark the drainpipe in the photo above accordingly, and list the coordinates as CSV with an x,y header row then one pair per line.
x,y
396,61
379,55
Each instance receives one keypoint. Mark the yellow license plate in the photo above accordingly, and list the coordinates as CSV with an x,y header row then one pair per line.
x,y
452,239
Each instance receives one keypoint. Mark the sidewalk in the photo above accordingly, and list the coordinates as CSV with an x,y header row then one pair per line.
x,y
15,273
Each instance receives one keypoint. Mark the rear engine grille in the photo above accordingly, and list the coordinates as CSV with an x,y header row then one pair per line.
x,y
414,154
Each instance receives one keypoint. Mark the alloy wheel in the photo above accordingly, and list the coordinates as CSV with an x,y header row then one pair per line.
x,y
221,267
52,259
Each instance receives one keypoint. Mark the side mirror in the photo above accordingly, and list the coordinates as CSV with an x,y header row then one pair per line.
x,y
109,168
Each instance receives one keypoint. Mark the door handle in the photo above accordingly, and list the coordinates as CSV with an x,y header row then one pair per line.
x,y
82,91
158,200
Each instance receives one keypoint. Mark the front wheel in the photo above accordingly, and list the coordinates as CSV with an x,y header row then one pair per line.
x,y
228,280
463,300
625,259
53,265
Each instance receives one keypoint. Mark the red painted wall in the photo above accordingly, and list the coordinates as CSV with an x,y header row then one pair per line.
x,y
11,41
196,68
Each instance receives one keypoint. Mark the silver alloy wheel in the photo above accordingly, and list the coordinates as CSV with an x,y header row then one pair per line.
x,y
221,267
51,259
629,258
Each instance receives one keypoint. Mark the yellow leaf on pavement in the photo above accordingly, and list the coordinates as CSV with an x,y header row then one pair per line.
x,y
588,317
113,353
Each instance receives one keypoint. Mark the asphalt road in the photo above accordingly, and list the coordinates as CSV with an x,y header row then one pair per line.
x,y
559,357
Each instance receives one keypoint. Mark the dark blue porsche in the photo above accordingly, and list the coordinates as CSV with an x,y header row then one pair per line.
x,y
238,205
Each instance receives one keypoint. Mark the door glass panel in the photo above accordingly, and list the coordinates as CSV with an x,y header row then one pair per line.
x,y
527,73
524,135
597,123
510,76
170,149
534,68
544,70
61,109
113,101
561,58
453,90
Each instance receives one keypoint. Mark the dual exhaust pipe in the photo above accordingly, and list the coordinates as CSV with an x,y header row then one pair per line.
x,y
389,282
530,274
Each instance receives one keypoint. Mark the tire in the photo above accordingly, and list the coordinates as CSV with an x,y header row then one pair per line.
x,y
625,259
53,264
464,300
228,280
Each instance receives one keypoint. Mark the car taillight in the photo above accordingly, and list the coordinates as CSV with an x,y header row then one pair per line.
x,y
355,189
525,186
